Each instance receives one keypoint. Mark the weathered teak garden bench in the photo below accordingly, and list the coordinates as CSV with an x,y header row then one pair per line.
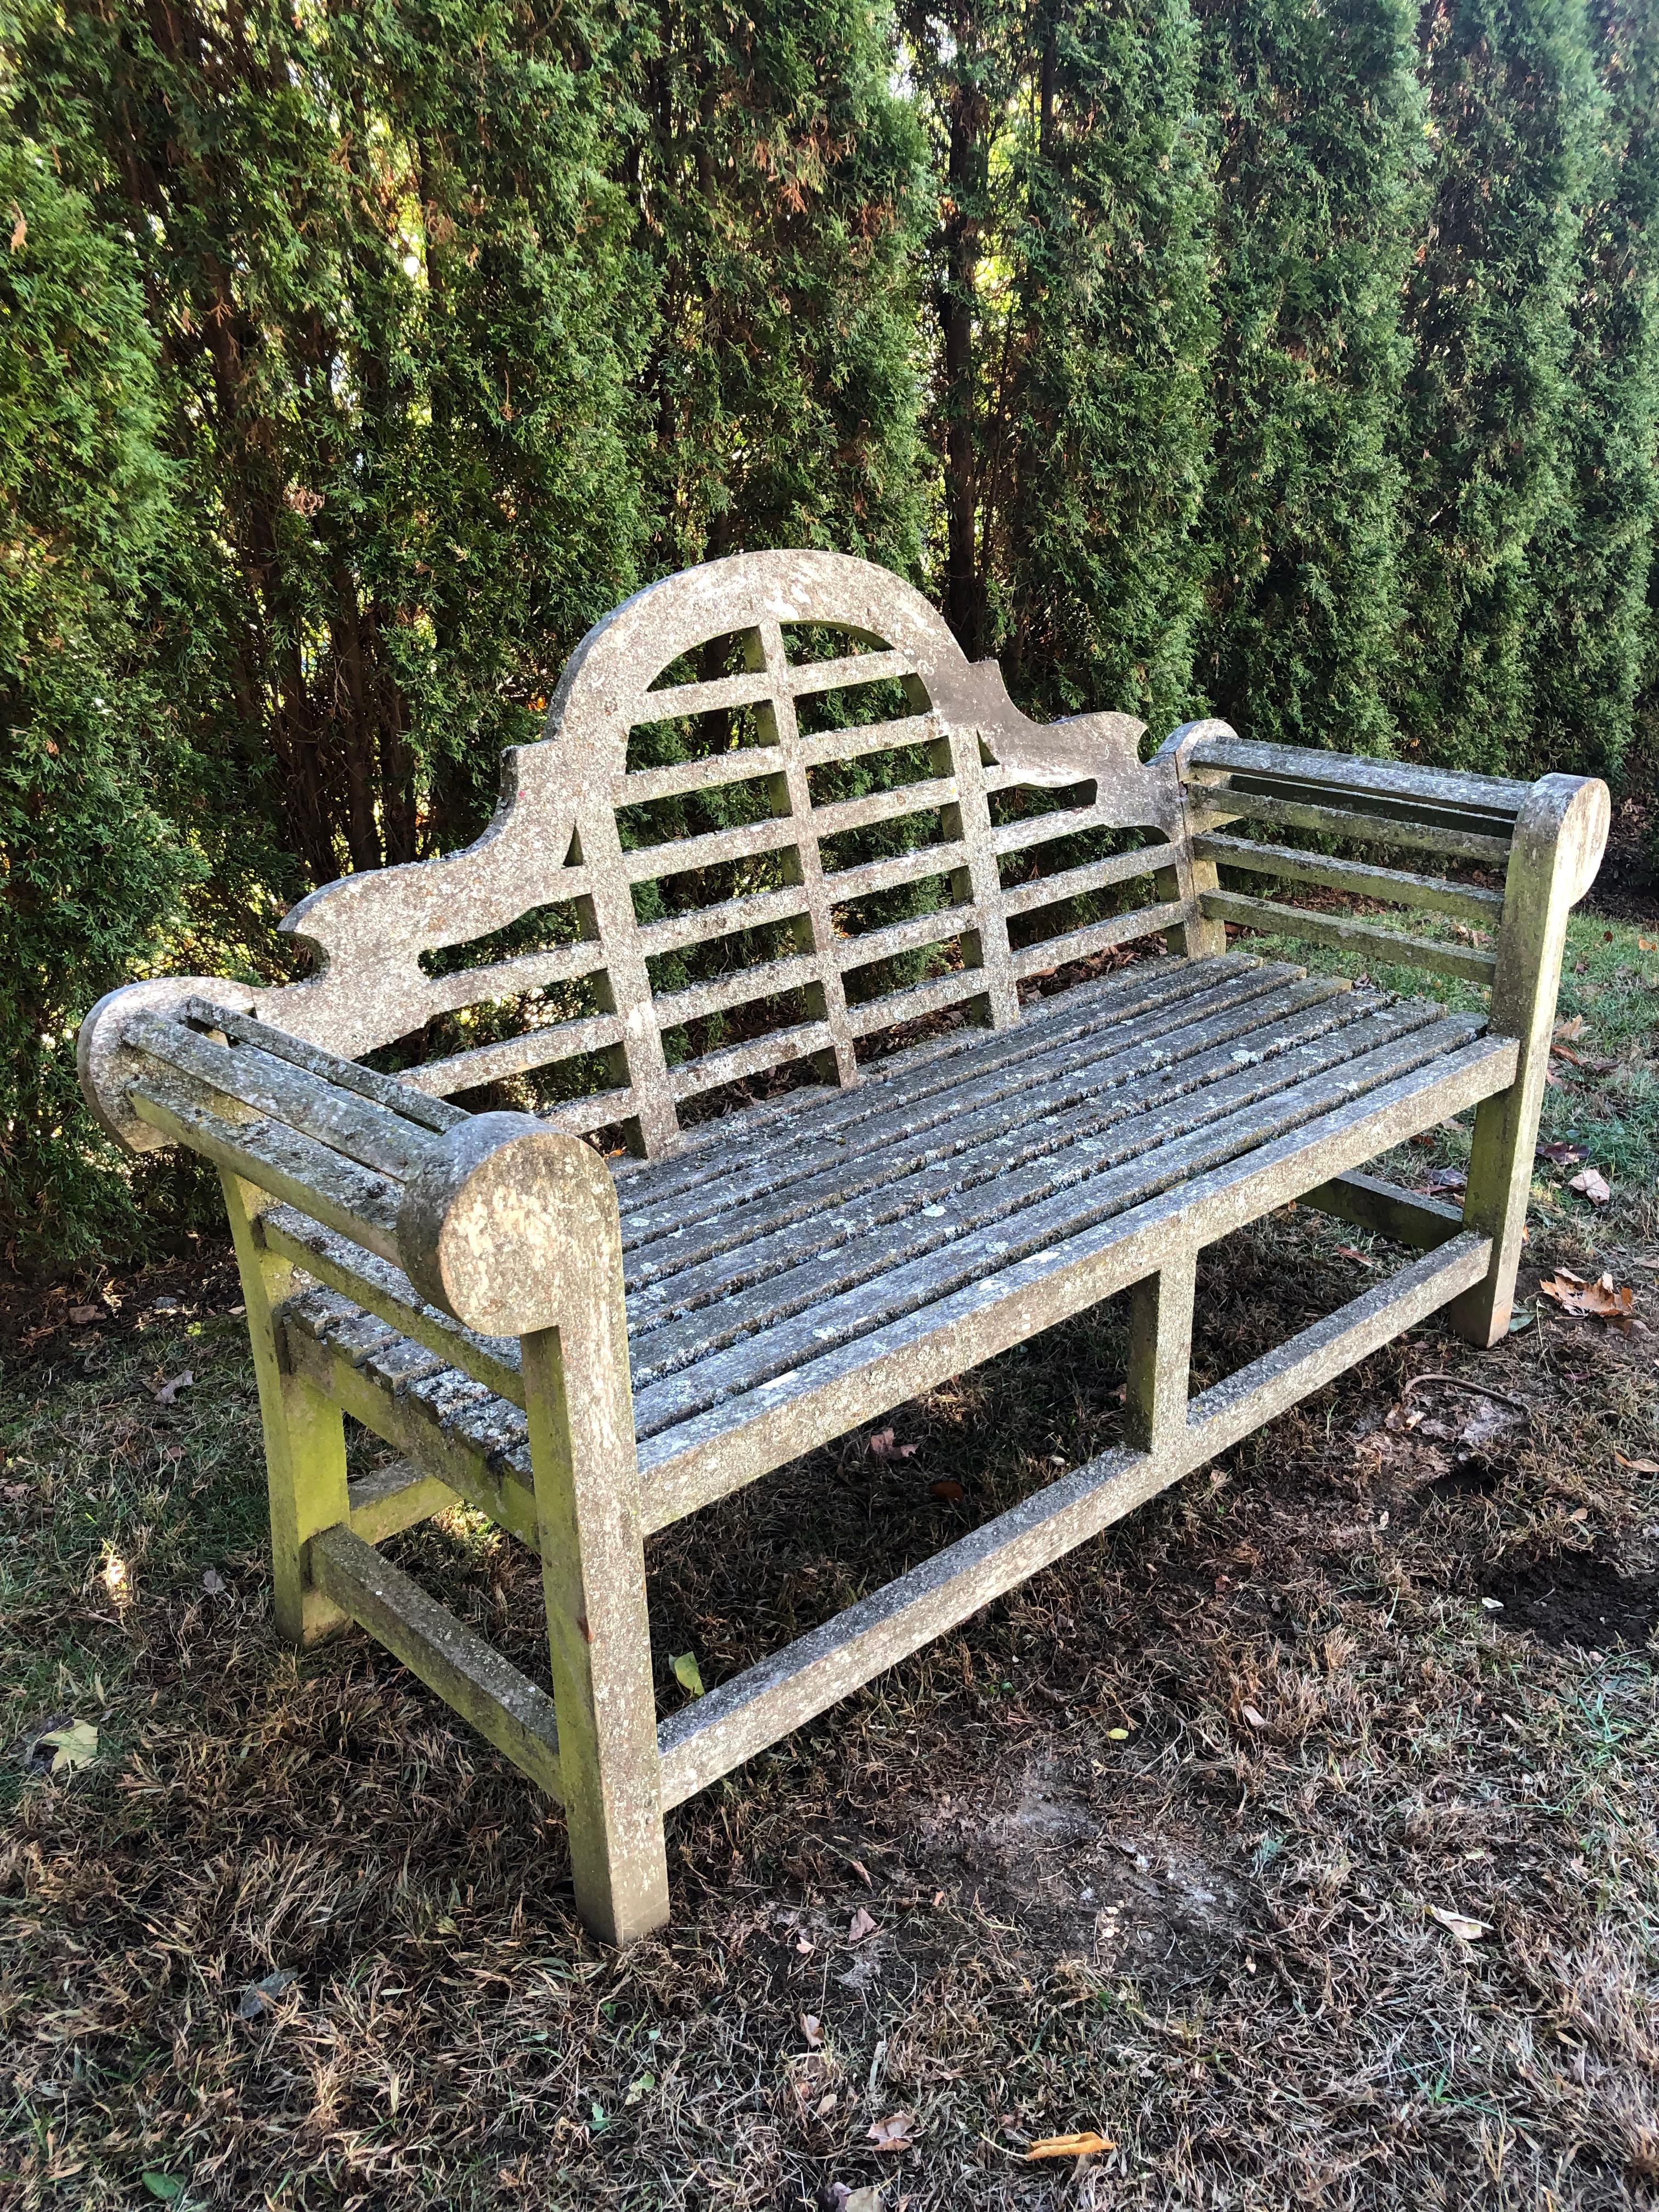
x,y
587,1349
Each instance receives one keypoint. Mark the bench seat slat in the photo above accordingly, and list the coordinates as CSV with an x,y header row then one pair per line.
x,y
1011,1176
831,1391
1068,1095
764,1142
892,1274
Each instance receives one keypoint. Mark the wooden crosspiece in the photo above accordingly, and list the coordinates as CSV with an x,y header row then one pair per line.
x,y
587,1348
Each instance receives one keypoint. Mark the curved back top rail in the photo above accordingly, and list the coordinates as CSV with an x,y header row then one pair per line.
x,y
556,841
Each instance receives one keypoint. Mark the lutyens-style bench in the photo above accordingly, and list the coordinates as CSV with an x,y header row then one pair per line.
x,y
779,823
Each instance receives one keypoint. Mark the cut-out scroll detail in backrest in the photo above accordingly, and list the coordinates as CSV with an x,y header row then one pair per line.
x,y
555,838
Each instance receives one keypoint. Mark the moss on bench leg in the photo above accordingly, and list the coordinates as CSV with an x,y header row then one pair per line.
x,y
580,1404
1558,838
304,1431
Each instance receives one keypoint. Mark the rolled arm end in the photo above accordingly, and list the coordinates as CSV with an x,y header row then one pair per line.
x,y
105,1068
502,1216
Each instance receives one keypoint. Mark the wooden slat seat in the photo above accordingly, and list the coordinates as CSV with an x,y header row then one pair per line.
x,y
780,827
789,1236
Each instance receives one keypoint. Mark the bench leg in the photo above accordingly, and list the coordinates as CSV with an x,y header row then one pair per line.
x,y
304,1433
580,1403
1160,1354
1557,840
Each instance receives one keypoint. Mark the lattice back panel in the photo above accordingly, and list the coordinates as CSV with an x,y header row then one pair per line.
x,y
743,872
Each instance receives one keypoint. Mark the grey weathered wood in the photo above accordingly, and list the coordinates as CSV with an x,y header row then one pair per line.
x,y
1212,805
742,1437
1559,841
1455,789
1433,893
396,1497
1277,919
363,1205
502,1705
457,1281
1403,1216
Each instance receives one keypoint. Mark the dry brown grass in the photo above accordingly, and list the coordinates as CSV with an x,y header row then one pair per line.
x,y
1151,1847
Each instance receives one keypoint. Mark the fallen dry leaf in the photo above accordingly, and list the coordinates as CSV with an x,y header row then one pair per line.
x,y
74,1747
812,2028
1647,944
1592,1185
1637,1465
1571,1030
1465,1930
167,1392
883,1447
862,1926
1445,1179
867,2199
893,2133
948,1491
1082,2145
80,1315
1597,1301
1256,1719
1559,1153
19,229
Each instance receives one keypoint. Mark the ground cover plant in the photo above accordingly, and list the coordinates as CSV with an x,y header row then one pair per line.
x,y
1298,1838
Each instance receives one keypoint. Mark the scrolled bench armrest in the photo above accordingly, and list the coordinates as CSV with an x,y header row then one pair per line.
x,y
494,1218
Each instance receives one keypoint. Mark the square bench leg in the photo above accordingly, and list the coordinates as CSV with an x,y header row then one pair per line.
x,y
1160,1354
580,1403
304,1432
1557,840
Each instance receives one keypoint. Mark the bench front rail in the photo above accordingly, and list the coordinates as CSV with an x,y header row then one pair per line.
x,y
587,1350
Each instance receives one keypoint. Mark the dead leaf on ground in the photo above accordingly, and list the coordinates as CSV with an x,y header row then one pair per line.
x,y
19,229
1465,1930
1593,1185
213,1581
81,1315
1569,1030
1597,1301
167,1392
1559,1153
1256,1719
949,1490
811,2028
1445,1179
893,2133
1083,2144
862,1926
1647,944
883,1447
72,1748
260,1998
1353,1252
1637,1465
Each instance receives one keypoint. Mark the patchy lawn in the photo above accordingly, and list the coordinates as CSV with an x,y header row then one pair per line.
x,y
1300,1835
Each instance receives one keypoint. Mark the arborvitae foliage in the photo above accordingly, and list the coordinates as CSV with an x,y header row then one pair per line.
x,y
1095,385
1513,112
92,871
1317,118
776,174
1589,568
391,279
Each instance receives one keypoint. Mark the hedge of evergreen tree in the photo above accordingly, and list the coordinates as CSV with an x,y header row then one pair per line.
x,y
1296,363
